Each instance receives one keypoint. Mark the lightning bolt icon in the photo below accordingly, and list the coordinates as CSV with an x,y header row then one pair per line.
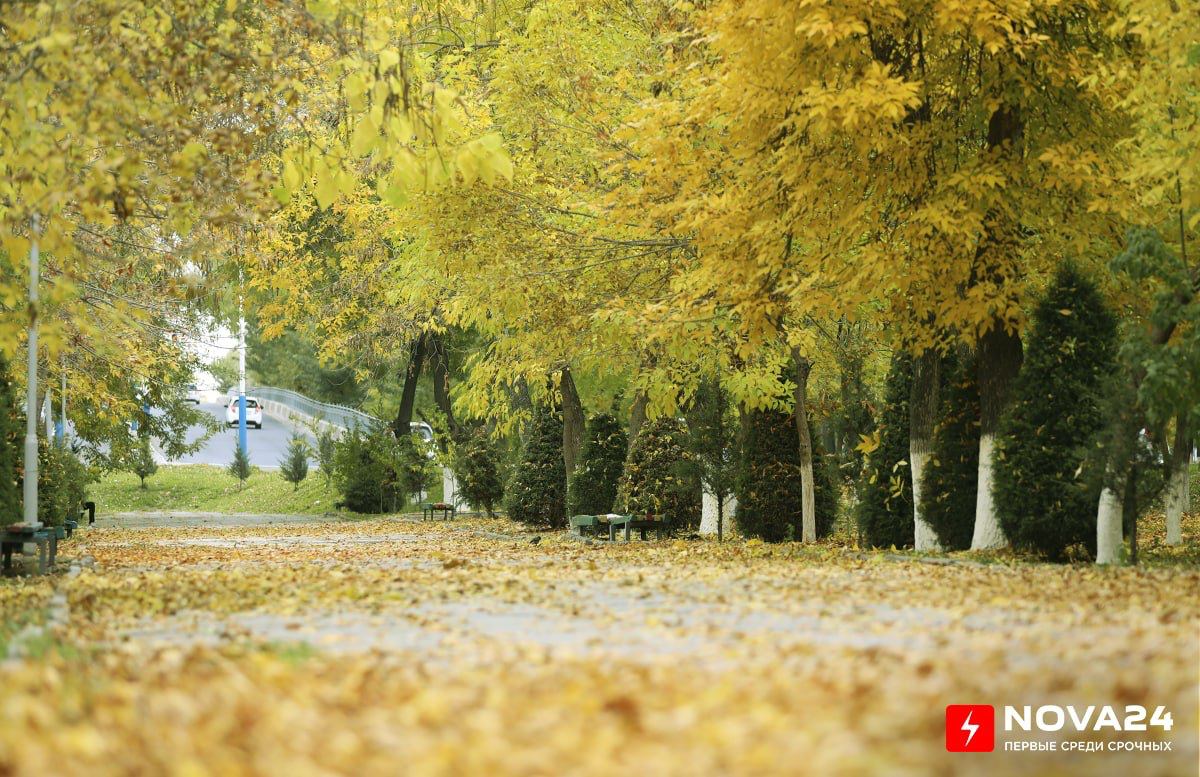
x,y
970,728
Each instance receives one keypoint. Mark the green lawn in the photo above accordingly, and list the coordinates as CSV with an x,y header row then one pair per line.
x,y
205,488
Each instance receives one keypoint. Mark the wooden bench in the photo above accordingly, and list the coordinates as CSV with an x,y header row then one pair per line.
x,y
447,510
642,524
16,536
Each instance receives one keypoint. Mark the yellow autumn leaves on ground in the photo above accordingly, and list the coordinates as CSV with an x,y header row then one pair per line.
x,y
461,648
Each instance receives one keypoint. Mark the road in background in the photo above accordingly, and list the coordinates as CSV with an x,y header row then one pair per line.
x,y
267,445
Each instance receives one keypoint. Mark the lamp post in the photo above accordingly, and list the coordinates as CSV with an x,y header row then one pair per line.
x,y
31,432
242,438
60,431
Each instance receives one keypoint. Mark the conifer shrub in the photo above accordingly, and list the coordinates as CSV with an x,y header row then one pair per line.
x,y
476,465
365,470
1048,479
62,482
294,466
537,493
713,440
11,447
770,488
885,505
141,460
326,453
826,482
239,467
660,476
593,488
949,481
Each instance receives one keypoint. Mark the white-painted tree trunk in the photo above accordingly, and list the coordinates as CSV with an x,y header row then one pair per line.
x,y
924,537
1177,502
708,513
1109,535
450,490
988,533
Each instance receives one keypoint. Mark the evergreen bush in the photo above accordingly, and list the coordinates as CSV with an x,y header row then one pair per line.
x,y
141,461
885,505
326,453
240,466
713,441
1047,478
365,462
476,465
62,482
949,481
660,476
408,456
11,446
537,493
294,466
770,489
593,488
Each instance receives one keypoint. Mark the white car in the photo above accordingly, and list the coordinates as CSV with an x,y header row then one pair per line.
x,y
193,395
254,413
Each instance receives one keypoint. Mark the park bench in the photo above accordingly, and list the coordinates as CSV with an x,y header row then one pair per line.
x,y
447,510
15,537
631,522
584,525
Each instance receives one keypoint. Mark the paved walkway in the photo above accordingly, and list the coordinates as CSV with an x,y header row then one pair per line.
x,y
463,647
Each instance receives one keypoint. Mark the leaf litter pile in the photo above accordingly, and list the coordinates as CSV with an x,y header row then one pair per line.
x,y
463,648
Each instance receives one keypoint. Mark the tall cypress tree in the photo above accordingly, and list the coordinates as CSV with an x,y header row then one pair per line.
x,y
885,505
1047,478
950,477
10,448
593,489
769,489
661,476
537,493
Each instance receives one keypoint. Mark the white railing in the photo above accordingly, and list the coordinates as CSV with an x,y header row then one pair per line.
x,y
335,415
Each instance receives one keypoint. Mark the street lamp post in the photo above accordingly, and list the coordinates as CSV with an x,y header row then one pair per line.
x,y
60,431
31,421
242,439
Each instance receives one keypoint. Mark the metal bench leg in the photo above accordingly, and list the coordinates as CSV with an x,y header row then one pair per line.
x,y
53,549
41,546
7,552
627,532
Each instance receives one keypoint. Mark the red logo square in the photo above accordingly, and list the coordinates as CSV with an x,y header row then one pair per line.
x,y
970,728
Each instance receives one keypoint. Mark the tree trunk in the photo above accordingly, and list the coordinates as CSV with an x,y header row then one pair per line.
x,y
408,395
923,405
808,513
1178,493
1129,512
1109,536
999,362
637,415
714,508
439,366
572,413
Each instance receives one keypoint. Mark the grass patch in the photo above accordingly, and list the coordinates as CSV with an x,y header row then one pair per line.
x,y
206,488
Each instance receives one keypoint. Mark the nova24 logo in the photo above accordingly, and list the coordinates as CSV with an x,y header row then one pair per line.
x,y
971,728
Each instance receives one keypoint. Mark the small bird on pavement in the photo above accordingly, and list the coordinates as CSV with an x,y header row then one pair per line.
x,y
536,540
